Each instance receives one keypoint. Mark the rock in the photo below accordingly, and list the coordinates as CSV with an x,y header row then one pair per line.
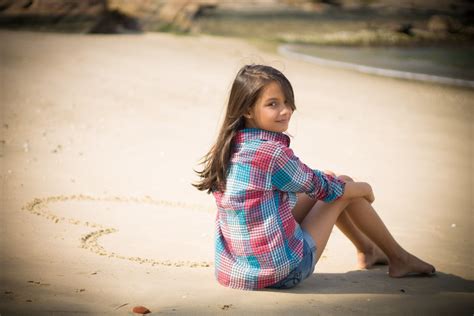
x,y
141,310
51,7
53,14
443,24
181,15
98,16
116,22
226,306
405,28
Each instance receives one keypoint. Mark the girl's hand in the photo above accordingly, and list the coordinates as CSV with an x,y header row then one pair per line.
x,y
329,172
332,173
358,190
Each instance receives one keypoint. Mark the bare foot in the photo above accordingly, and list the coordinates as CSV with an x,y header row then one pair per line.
x,y
366,260
410,265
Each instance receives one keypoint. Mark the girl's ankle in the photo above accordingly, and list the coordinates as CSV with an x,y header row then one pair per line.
x,y
400,258
367,249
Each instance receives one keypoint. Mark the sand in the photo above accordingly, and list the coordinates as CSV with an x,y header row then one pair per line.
x,y
99,138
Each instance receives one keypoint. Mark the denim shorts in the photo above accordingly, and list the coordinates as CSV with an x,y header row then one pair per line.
x,y
304,269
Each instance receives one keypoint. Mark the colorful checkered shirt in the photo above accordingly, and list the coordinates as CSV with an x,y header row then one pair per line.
x,y
258,241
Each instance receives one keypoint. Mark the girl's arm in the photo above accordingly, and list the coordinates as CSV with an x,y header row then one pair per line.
x,y
358,190
289,174
361,189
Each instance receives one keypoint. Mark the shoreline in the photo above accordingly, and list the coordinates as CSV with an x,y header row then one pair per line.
x,y
284,48
287,51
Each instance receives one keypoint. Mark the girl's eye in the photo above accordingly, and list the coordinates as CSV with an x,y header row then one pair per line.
x,y
273,104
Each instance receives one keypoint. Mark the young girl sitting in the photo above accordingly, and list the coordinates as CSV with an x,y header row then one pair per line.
x,y
275,214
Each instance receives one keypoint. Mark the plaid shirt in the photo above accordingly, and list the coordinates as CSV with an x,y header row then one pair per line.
x,y
258,241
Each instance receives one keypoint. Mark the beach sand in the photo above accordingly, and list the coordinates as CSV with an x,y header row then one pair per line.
x,y
99,138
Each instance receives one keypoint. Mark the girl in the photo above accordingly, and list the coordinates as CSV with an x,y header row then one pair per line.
x,y
275,214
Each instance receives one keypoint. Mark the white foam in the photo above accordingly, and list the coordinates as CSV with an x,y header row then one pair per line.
x,y
286,50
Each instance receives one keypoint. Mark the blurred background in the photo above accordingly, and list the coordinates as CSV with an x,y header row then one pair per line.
x,y
411,36
108,105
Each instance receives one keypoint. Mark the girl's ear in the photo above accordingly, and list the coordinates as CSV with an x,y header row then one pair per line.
x,y
248,115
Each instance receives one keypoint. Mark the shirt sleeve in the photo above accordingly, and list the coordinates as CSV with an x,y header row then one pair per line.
x,y
289,174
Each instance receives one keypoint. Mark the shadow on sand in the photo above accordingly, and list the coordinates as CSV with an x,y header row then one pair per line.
x,y
357,291
377,281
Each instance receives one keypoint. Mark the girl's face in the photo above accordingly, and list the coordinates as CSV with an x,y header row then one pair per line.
x,y
271,112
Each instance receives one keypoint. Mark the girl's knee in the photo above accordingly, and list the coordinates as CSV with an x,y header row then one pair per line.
x,y
345,178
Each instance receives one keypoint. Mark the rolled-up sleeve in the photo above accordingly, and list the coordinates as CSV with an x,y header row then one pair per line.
x,y
289,174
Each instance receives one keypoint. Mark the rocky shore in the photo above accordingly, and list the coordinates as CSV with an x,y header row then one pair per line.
x,y
282,21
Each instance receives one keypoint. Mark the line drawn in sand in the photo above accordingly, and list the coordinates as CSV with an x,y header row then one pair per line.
x,y
39,206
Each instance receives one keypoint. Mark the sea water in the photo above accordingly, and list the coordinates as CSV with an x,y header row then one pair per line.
x,y
442,64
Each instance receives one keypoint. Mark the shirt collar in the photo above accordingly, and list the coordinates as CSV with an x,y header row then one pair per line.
x,y
247,134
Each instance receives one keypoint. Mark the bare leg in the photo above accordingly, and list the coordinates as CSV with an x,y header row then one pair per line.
x,y
302,207
368,254
320,221
401,262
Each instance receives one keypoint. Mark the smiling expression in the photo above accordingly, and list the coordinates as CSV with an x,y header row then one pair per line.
x,y
271,111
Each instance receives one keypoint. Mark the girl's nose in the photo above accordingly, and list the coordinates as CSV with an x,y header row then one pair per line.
x,y
286,109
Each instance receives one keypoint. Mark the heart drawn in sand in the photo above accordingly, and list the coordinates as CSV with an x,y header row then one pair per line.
x,y
41,207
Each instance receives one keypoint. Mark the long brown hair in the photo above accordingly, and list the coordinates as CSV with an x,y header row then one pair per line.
x,y
245,91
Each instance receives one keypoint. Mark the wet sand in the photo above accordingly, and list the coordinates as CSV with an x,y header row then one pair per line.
x,y
99,136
